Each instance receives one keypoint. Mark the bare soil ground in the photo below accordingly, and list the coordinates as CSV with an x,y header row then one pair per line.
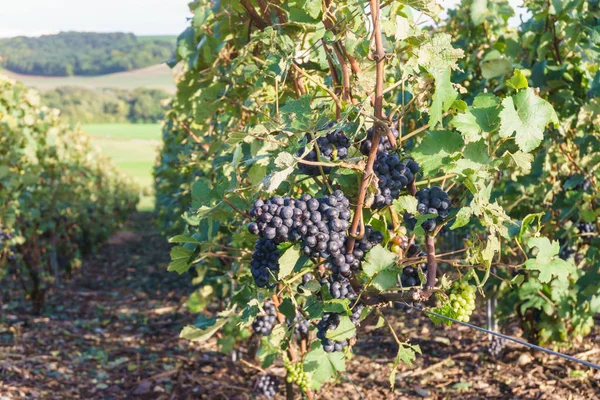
x,y
112,333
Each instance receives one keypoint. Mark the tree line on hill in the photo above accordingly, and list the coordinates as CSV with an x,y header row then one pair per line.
x,y
84,105
82,53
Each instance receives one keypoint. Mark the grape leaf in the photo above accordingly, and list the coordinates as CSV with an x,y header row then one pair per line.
x,y
462,218
406,354
386,279
433,152
344,331
405,204
180,259
270,183
546,260
481,118
517,81
288,261
194,334
378,259
495,65
527,114
443,97
323,366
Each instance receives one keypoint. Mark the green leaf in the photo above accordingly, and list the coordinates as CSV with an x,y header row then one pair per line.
x,y
480,119
386,279
378,259
200,194
270,183
443,97
344,331
520,159
462,218
546,260
323,366
405,204
479,11
287,308
518,80
527,223
180,259
267,353
194,334
406,354
287,262
433,152
183,239
527,114
495,65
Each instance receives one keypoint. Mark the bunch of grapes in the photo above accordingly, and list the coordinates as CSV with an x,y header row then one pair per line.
x,y
334,145
263,324
319,224
346,263
384,142
566,251
431,201
267,385
393,176
5,236
399,244
302,326
265,261
462,300
410,273
329,322
496,346
339,287
586,227
296,374
356,312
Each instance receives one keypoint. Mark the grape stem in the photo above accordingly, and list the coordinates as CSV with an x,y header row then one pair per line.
x,y
378,127
431,261
291,349
334,97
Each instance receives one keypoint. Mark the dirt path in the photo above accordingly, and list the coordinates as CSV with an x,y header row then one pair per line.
x,y
112,333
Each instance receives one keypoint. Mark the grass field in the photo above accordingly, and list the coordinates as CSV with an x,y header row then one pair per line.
x,y
133,148
155,77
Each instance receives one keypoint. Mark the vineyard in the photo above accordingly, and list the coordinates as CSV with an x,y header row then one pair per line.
x,y
361,199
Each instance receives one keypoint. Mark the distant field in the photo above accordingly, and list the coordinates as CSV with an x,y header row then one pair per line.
x,y
155,77
125,131
133,148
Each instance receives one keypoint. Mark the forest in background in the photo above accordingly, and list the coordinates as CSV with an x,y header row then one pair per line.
x,y
78,104
83,53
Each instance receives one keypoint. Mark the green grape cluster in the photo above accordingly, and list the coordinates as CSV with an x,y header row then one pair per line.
x,y
462,300
297,375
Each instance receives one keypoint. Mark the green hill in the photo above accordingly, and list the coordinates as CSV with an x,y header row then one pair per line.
x,y
83,53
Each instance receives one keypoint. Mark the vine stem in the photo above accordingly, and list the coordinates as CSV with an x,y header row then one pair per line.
x,y
291,348
336,99
431,261
378,110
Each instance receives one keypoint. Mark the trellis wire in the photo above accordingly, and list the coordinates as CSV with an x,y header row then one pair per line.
x,y
521,342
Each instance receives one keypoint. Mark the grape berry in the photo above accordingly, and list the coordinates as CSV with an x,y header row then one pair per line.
x,y
265,261
263,324
296,374
334,145
410,273
462,300
267,385
431,201
393,176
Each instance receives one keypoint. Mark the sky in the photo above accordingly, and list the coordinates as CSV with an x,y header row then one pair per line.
x,y
142,17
